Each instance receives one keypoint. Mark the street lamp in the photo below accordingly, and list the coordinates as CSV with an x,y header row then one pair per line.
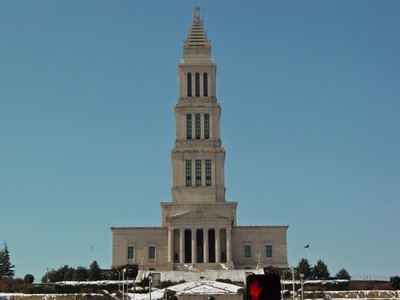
x,y
123,284
301,282
293,282
134,289
150,285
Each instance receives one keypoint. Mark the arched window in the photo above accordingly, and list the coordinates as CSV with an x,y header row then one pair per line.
x,y
189,126
189,84
205,84
206,126
197,87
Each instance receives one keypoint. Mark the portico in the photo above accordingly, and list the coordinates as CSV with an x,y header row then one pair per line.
x,y
203,241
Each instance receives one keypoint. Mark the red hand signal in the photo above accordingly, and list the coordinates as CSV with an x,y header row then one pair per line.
x,y
255,290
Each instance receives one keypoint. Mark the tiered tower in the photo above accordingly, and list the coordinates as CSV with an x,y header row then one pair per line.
x,y
198,191
198,226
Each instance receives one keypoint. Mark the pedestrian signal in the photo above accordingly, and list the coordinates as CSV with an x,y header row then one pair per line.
x,y
263,287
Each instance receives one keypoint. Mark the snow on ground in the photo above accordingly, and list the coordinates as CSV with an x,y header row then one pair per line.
x,y
372,294
196,275
206,287
44,296
99,282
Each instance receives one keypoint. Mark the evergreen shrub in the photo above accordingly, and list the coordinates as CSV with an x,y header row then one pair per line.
x,y
395,282
29,278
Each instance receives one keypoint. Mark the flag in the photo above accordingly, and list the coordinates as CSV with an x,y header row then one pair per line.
x,y
307,246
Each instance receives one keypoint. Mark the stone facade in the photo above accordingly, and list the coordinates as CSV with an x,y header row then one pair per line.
x,y
141,239
199,225
259,238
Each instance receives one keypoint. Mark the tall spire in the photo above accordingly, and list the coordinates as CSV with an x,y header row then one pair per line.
x,y
196,12
197,36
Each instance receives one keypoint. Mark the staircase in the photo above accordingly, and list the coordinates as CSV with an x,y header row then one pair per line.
x,y
187,267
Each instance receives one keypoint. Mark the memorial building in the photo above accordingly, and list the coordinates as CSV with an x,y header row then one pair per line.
x,y
198,226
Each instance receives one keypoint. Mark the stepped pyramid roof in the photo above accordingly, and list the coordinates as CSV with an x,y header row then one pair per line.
x,y
197,36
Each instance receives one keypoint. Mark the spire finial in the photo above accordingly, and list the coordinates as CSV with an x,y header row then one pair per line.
x,y
196,13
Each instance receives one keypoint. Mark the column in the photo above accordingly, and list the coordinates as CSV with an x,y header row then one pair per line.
x,y
228,245
217,245
170,245
194,254
205,245
181,246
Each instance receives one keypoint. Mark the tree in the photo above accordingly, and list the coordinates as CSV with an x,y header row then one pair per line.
x,y
61,274
80,274
395,282
68,273
303,268
6,267
272,270
131,270
343,274
94,271
320,270
29,278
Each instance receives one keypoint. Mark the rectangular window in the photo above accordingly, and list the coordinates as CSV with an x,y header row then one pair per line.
x,y
205,84
188,173
206,126
188,126
208,172
247,251
197,120
152,252
189,84
131,252
268,250
197,84
198,172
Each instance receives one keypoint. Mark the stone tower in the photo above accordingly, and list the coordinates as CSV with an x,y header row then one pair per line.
x,y
197,154
198,208
198,226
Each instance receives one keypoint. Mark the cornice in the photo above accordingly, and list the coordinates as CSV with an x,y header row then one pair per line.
x,y
193,150
263,227
136,228
185,143
209,102
203,204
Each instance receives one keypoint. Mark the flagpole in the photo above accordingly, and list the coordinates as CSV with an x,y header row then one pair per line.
x,y
308,252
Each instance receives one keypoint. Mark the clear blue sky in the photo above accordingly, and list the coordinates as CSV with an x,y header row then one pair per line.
x,y
310,95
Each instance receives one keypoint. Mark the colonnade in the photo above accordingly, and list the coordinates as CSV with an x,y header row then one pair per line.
x,y
194,245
